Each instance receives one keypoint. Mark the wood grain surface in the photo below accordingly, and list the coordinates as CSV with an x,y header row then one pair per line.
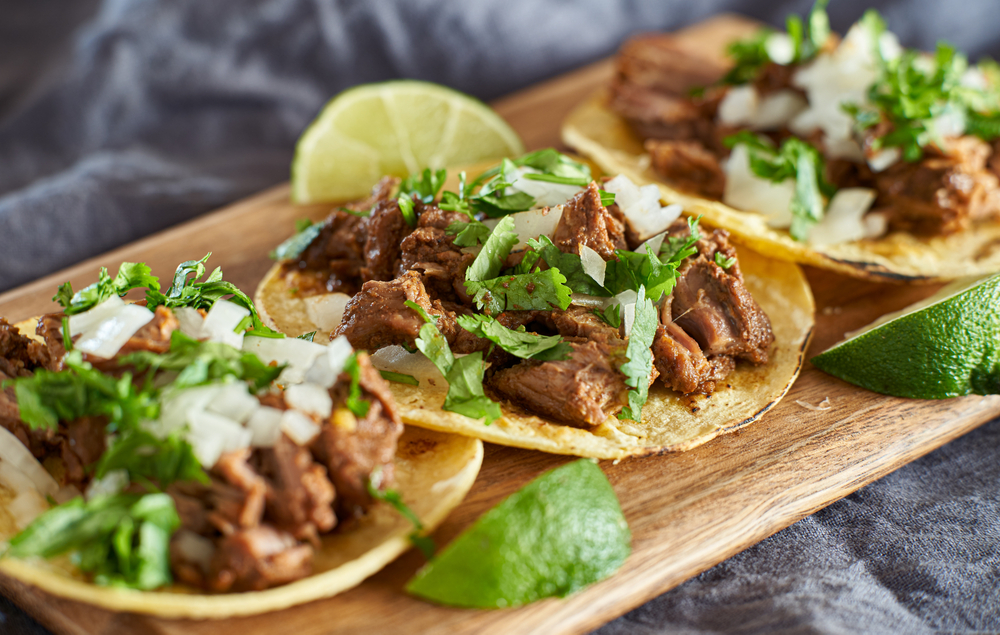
x,y
687,511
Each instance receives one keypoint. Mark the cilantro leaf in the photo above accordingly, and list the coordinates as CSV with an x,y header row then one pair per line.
x,y
122,540
489,261
399,378
357,405
519,343
406,209
204,362
632,271
147,457
468,234
426,185
293,246
131,275
569,265
795,159
493,198
640,357
724,262
749,55
539,290
612,315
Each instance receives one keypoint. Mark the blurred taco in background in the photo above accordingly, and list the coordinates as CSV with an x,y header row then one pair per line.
x,y
179,447
851,154
536,307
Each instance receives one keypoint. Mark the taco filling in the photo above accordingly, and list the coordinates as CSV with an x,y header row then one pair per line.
x,y
534,286
183,439
834,140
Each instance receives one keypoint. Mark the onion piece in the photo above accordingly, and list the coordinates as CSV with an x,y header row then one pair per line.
x,y
265,427
738,105
844,218
191,321
221,322
298,427
325,370
297,354
14,452
326,310
627,299
653,243
234,401
211,434
194,548
111,483
546,194
310,399
176,404
593,264
641,206
88,319
26,507
745,190
879,161
591,301
541,221
398,360
780,48
107,338
743,106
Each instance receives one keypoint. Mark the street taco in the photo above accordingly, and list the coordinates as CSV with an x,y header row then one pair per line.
x,y
538,308
853,155
177,457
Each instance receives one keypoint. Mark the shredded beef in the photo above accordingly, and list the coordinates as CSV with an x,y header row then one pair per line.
x,y
585,221
258,558
386,228
352,447
688,165
378,316
299,494
237,493
583,390
432,253
661,63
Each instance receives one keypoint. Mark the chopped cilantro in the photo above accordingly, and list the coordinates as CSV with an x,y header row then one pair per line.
x,y
150,459
406,209
749,55
357,405
489,261
724,262
519,343
640,357
607,198
399,378
131,275
468,234
795,159
569,265
293,247
538,290
426,185
494,200
123,540
310,336
392,497
612,315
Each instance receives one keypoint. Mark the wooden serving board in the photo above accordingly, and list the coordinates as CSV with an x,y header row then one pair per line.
x,y
687,511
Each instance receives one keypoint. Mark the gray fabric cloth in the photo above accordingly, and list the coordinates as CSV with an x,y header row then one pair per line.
x,y
121,117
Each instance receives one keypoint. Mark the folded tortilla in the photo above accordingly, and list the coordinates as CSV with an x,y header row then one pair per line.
x,y
434,472
670,421
600,134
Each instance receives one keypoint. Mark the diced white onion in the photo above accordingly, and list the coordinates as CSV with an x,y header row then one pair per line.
x,y
297,354
780,48
298,427
265,427
14,452
396,359
221,322
111,483
627,300
641,206
745,190
591,301
15,479
653,243
107,337
88,319
743,106
843,220
194,548
738,105
326,310
884,158
593,264
234,401
545,194
325,370
876,224
211,434
950,123
176,404
191,321
541,221
26,507
310,399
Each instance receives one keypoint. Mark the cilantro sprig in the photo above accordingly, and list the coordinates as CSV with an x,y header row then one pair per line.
x,y
131,275
519,342
464,374
795,159
640,356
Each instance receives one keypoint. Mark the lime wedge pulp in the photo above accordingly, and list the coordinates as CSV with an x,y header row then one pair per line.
x,y
561,532
398,128
945,346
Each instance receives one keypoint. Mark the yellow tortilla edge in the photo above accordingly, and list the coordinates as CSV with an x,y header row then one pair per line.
x,y
434,472
600,134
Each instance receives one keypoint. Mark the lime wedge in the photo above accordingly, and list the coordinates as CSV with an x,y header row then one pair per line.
x,y
947,345
561,532
398,128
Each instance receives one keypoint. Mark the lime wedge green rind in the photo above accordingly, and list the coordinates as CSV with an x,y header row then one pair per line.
x,y
943,348
393,128
558,534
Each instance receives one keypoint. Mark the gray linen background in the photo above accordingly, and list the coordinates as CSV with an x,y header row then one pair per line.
x,y
122,117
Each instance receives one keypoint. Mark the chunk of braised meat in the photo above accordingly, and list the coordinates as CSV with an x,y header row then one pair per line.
x,y
578,321
582,390
434,216
352,447
386,229
299,494
943,193
378,316
257,558
680,361
688,165
432,253
237,495
585,221
713,305
19,354
662,63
